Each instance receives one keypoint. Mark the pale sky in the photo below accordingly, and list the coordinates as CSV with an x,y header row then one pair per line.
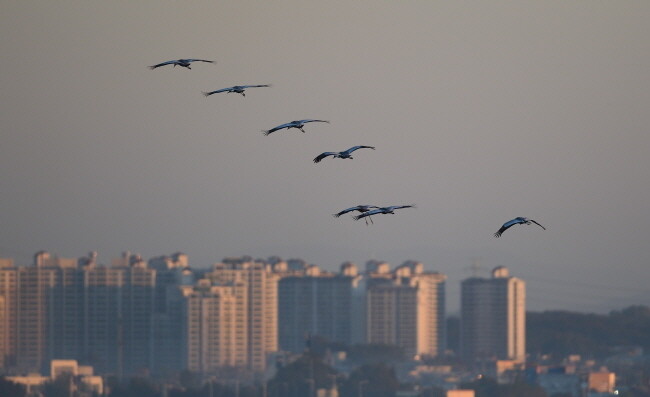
x,y
479,112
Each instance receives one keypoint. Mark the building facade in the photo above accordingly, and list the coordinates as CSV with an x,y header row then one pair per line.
x,y
258,300
317,303
406,307
215,327
493,318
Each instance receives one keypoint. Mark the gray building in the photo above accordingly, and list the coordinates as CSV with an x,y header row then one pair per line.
x,y
493,318
318,303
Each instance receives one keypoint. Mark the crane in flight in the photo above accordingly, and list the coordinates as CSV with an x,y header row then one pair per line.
x,y
520,220
180,62
299,124
239,89
346,154
361,208
383,210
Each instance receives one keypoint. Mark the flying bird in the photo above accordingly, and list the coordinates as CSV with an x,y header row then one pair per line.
x,y
361,208
342,155
239,89
383,210
180,62
299,124
517,221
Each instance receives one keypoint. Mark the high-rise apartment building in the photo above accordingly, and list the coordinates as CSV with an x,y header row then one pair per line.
x,y
261,304
118,318
215,326
76,309
37,299
317,303
8,308
169,319
406,308
493,317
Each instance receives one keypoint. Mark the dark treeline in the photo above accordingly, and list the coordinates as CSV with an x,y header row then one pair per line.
x,y
561,333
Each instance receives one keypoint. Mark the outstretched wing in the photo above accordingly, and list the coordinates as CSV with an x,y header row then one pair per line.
x,y
281,126
507,225
218,91
322,156
537,224
353,148
397,207
345,211
368,213
255,85
198,60
312,121
500,231
162,64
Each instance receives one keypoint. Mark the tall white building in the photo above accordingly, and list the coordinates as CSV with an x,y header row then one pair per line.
x,y
260,304
493,317
215,326
406,308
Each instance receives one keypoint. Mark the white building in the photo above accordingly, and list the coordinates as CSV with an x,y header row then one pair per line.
x,y
407,308
260,305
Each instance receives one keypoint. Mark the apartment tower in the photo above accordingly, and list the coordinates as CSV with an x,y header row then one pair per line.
x,y
261,304
318,303
406,308
493,318
215,326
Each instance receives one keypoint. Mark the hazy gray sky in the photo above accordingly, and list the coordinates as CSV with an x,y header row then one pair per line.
x,y
480,112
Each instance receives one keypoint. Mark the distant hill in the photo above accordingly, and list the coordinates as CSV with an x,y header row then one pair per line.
x,y
592,335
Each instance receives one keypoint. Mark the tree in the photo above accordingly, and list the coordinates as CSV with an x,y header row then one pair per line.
x,y
59,387
136,387
483,387
520,388
302,377
374,380
561,333
488,387
11,389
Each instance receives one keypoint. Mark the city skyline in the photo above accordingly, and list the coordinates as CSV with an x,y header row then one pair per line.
x,y
478,114
162,316
453,288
